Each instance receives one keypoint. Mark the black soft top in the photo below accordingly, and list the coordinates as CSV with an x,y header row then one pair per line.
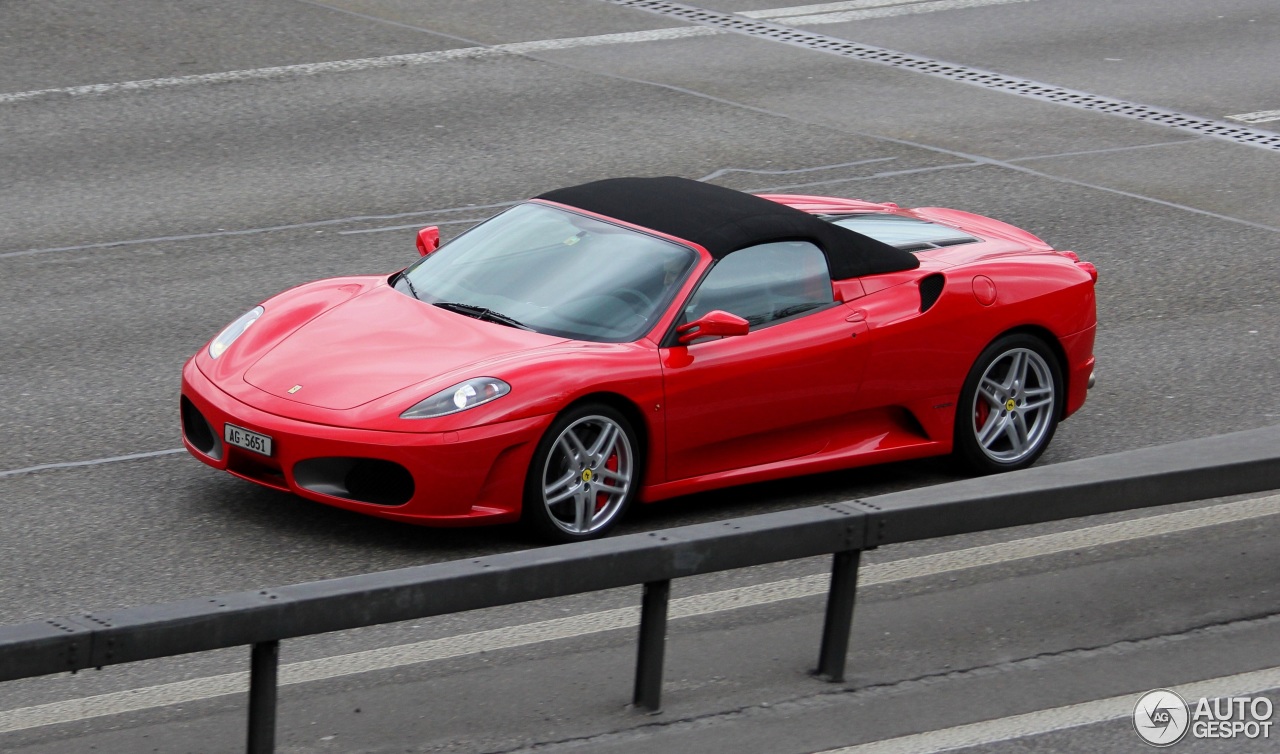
x,y
722,220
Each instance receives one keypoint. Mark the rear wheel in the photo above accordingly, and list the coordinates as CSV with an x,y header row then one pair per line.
x,y
583,476
1009,406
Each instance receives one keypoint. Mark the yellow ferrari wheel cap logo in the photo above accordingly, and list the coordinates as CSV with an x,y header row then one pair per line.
x,y
587,475
1010,405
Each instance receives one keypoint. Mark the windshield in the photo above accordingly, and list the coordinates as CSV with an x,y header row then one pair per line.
x,y
556,272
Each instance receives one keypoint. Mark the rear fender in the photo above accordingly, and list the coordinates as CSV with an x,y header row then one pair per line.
x,y
919,360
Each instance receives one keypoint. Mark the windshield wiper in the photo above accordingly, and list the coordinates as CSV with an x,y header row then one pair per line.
x,y
479,312
412,291
795,309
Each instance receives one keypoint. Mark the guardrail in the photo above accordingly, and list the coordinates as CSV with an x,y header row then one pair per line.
x,y
1193,470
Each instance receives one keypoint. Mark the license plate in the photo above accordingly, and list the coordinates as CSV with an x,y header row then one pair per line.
x,y
243,438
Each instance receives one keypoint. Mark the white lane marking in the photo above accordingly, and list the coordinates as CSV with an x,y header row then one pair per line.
x,y
93,462
1262,116
364,64
1118,192
364,218
1059,718
802,10
1067,541
725,171
1011,165
417,213
251,231
1108,150
990,80
467,221
386,658
871,177
462,53
803,16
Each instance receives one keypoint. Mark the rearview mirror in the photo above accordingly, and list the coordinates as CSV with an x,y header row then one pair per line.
x,y
428,240
713,323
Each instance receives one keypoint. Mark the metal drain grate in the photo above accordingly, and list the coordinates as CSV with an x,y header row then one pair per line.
x,y
974,76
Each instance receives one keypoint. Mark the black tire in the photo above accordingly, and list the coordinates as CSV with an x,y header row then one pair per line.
x,y
584,474
1007,424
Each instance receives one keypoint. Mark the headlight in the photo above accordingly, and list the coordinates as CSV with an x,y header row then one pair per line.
x,y
233,331
460,397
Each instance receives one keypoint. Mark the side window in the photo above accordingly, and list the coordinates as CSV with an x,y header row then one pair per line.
x,y
765,283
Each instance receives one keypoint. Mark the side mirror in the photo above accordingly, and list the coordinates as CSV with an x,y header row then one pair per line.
x,y
713,323
428,240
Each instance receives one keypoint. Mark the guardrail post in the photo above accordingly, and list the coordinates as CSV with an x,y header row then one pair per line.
x,y
839,619
653,644
263,666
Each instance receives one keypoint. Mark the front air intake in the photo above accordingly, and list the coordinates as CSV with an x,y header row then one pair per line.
x,y
364,480
198,431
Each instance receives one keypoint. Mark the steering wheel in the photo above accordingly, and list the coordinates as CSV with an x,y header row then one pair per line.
x,y
638,301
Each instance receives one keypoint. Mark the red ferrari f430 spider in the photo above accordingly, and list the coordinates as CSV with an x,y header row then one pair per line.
x,y
642,338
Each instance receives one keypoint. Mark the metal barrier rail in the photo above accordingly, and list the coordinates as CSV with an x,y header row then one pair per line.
x,y
1193,470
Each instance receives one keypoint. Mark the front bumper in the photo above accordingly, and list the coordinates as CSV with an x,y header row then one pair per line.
x,y
472,476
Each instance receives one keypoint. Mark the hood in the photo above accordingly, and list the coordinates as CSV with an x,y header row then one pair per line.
x,y
376,344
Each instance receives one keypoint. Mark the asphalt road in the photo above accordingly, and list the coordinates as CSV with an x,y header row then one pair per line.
x,y
165,166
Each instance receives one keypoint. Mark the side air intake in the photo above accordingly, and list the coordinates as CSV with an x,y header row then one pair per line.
x,y
930,290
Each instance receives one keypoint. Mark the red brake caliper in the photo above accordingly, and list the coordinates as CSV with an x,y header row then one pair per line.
x,y
980,415
602,499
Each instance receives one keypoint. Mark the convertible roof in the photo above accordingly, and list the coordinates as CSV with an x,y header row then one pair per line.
x,y
722,220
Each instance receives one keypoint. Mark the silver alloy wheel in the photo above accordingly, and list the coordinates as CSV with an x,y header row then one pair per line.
x,y
1013,407
587,475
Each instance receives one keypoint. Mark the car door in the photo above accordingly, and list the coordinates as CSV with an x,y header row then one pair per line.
x,y
775,393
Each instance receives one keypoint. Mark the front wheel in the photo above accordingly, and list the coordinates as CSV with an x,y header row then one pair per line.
x,y
583,476
1009,406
